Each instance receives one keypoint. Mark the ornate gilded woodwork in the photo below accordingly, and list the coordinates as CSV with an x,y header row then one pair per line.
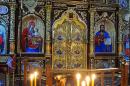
x,y
120,39
92,13
48,29
12,29
30,4
69,48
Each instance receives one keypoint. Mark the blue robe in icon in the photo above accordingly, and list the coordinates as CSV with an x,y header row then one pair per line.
x,y
2,39
127,45
31,42
103,42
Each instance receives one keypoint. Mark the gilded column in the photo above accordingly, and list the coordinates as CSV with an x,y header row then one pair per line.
x,y
91,33
120,40
48,29
12,28
91,53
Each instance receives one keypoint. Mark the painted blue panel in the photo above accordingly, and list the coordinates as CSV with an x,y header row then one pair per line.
x,y
2,39
103,42
123,3
3,9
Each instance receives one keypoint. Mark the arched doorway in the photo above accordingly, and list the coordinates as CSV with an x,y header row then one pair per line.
x,y
69,41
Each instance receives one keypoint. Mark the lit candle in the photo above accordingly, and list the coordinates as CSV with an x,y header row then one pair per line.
x,y
35,81
78,82
31,79
35,78
83,83
87,80
78,76
93,78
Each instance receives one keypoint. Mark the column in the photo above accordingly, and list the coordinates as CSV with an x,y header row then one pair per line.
x,y
120,40
91,53
126,69
13,78
25,73
113,78
12,29
48,44
7,79
102,78
48,75
48,29
124,74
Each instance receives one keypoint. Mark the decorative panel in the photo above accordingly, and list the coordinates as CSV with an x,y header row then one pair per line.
x,y
33,66
123,3
4,21
127,43
105,32
69,48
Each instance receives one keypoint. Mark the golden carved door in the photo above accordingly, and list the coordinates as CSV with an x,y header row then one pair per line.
x,y
69,44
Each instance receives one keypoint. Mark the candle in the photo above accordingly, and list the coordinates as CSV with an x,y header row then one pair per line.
x,y
31,83
93,78
35,78
87,80
92,82
78,83
78,76
83,83
35,81
31,79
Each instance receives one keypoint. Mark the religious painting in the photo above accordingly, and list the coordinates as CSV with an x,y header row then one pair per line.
x,y
127,44
31,66
69,35
104,35
32,34
3,37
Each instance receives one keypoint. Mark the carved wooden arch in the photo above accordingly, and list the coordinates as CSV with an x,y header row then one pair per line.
x,y
65,17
